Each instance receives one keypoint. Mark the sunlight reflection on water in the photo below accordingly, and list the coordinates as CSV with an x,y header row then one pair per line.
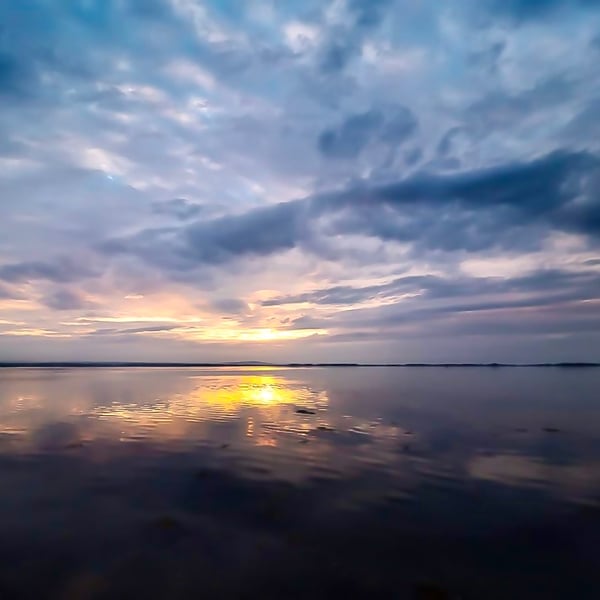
x,y
408,453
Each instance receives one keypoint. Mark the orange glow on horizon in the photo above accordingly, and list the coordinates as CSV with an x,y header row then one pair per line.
x,y
165,315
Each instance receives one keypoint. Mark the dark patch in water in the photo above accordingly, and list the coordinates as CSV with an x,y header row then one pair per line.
x,y
428,591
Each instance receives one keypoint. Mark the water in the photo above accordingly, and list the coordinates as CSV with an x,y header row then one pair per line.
x,y
390,483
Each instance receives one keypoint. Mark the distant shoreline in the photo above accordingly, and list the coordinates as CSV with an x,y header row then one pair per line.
x,y
91,364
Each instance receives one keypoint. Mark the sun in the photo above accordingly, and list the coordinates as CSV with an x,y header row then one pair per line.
x,y
266,394
266,334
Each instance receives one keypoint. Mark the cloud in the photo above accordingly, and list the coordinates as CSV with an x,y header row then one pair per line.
x,y
448,141
524,10
259,232
368,14
541,288
345,40
232,306
499,108
351,137
7,293
178,207
10,76
337,54
533,186
65,299
430,316
318,165
585,122
60,271
472,211
400,125
113,331
351,294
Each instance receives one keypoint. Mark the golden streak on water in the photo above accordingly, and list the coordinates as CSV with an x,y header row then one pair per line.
x,y
217,399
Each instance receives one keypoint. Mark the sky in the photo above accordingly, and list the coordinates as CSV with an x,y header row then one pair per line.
x,y
300,180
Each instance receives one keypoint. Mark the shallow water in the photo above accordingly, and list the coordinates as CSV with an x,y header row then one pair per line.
x,y
389,483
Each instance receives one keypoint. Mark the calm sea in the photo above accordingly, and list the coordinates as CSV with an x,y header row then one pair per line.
x,y
300,483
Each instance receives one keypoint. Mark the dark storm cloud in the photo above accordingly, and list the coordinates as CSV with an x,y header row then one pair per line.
x,y
482,208
260,232
511,206
60,271
533,187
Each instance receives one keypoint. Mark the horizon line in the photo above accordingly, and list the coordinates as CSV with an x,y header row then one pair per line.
x,y
165,364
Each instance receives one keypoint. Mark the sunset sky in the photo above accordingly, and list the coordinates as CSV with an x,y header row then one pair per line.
x,y
374,181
